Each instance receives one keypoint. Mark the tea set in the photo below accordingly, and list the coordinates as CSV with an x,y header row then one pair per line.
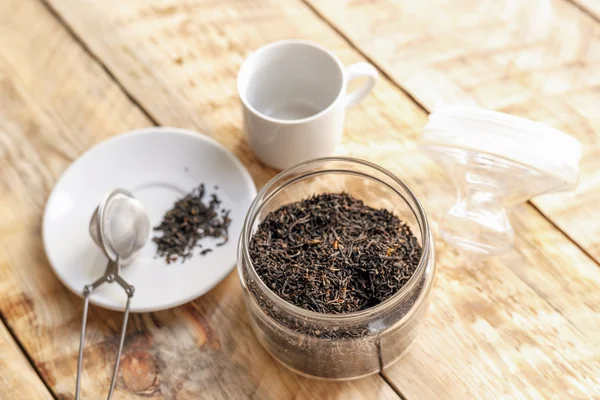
x,y
293,96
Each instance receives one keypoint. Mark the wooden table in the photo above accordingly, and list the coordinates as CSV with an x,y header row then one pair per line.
x,y
75,72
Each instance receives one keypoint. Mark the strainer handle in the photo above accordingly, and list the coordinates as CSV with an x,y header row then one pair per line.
x,y
87,291
86,294
118,360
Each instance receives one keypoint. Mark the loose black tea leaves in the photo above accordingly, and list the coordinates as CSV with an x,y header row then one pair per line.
x,y
331,253
189,221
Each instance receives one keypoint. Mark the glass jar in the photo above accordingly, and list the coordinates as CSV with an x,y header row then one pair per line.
x,y
338,346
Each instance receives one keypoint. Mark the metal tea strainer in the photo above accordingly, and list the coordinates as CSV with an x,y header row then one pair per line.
x,y
120,227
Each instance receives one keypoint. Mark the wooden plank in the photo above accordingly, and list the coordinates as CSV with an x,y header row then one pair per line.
x,y
56,102
538,59
179,60
18,380
489,331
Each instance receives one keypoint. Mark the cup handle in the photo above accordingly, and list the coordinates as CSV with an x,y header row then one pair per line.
x,y
359,70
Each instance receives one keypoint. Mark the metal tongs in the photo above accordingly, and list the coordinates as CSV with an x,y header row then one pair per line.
x,y
120,227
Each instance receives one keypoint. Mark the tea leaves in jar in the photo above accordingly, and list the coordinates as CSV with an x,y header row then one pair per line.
x,y
331,253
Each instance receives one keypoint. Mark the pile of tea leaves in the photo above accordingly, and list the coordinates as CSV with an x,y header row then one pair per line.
x,y
190,220
331,253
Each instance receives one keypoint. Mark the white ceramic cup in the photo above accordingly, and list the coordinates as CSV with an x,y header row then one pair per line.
x,y
293,96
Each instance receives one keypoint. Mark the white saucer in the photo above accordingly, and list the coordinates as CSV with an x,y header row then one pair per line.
x,y
159,166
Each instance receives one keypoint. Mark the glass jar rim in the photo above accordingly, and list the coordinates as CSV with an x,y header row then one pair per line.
x,y
258,203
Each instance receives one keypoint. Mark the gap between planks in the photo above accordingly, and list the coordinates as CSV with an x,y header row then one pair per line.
x,y
584,9
55,14
373,62
27,356
394,387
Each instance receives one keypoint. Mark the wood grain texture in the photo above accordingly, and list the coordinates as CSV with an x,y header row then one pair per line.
x,y
18,380
55,102
523,325
538,59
